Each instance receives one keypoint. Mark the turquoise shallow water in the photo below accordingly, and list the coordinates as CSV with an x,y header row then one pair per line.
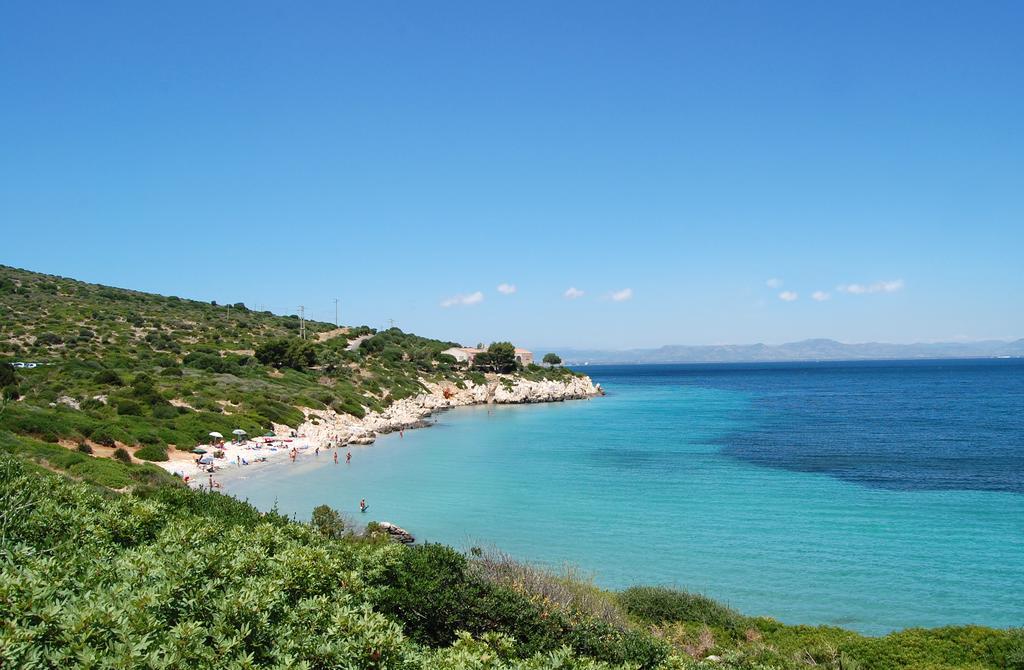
x,y
661,482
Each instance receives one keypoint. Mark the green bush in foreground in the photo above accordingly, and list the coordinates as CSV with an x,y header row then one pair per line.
x,y
433,591
171,577
152,452
658,604
180,579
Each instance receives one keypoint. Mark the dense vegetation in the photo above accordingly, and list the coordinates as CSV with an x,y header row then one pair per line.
x,y
109,563
165,576
119,367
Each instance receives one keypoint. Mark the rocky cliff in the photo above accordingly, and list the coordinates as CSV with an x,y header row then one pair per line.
x,y
329,427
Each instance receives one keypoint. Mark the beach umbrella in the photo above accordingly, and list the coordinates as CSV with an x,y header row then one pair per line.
x,y
238,431
215,434
270,434
199,450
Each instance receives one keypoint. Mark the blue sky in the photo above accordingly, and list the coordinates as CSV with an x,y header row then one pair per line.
x,y
697,171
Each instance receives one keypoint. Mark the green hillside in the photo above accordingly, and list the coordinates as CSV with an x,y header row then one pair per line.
x,y
115,366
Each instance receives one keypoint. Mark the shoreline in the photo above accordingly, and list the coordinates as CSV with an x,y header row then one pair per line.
x,y
325,429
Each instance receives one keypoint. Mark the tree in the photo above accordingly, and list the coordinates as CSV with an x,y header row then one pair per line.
x,y
328,522
8,383
8,377
287,352
499,357
552,359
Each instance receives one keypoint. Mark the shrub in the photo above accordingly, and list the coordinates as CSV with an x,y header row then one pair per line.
x,y
659,604
148,437
150,452
328,522
287,352
8,376
91,404
84,448
566,591
203,360
165,411
432,592
122,455
107,434
48,339
109,377
128,407
144,389
348,406
278,412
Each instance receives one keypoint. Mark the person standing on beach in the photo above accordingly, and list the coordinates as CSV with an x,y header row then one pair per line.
x,y
335,458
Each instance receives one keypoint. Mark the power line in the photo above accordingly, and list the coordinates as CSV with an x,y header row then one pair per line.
x,y
302,321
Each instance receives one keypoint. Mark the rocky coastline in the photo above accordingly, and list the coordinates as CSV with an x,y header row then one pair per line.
x,y
326,427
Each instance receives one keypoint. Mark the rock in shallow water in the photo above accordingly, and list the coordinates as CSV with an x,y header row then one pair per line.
x,y
397,533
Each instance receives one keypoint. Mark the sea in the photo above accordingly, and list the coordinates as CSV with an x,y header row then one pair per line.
x,y
870,495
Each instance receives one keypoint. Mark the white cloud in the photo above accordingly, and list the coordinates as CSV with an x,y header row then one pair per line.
x,y
506,289
788,296
877,287
572,293
464,300
820,296
620,296
774,282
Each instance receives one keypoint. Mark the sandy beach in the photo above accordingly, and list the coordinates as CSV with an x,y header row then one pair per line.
x,y
327,430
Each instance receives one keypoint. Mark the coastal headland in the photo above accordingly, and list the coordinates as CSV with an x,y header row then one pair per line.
x,y
196,387
326,428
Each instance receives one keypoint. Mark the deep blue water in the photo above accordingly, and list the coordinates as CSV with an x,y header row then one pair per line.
x,y
871,495
899,425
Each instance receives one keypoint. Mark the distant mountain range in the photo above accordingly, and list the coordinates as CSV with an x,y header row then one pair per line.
x,y
805,350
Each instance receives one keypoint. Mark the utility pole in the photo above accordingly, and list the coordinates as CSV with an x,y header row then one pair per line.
x,y
391,323
335,312
302,321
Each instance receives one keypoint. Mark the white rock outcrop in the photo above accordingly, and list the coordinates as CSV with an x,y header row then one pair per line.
x,y
329,427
